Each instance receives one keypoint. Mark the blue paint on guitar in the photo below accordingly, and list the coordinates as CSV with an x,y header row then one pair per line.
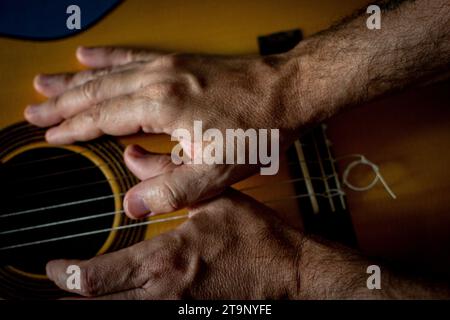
x,y
46,19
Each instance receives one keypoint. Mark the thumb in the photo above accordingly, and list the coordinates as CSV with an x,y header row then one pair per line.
x,y
144,164
174,190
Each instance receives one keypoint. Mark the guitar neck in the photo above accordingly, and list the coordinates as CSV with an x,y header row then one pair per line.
x,y
321,198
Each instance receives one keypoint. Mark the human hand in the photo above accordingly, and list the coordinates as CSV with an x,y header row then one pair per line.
x,y
127,91
231,247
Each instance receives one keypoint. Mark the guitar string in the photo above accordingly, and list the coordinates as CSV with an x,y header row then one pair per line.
x,y
93,232
60,205
32,162
125,177
329,194
105,164
16,213
139,224
72,154
104,214
10,214
57,223
119,178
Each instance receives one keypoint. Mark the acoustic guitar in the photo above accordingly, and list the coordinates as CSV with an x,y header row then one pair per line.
x,y
376,178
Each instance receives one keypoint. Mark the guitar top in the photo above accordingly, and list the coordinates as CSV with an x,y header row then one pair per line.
x,y
376,177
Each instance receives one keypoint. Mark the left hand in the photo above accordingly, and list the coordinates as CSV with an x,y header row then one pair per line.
x,y
129,91
230,248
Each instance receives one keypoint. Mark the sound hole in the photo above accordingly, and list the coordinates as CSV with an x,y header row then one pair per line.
x,y
38,179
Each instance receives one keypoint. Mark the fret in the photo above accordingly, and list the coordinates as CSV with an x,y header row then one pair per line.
x,y
306,176
333,166
323,174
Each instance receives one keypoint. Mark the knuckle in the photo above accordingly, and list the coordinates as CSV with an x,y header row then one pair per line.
x,y
161,91
170,90
97,73
194,83
90,89
175,197
133,55
95,115
57,103
87,283
167,93
170,61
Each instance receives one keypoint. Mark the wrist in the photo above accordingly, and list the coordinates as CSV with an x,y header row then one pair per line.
x,y
330,271
325,80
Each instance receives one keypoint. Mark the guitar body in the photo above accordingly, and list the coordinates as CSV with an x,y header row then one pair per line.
x,y
406,136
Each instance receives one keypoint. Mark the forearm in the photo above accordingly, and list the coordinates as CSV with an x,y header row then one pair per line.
x,y
350,64
328,271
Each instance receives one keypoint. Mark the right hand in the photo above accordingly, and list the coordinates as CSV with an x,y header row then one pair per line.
x,y
231,247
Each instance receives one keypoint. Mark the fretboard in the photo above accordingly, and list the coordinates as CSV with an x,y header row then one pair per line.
x,y
324,210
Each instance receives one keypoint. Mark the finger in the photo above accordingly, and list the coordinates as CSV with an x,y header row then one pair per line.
x,y
82,97
119,116
109,273
176,189
51,85
133,294
154,292
144,164
99,57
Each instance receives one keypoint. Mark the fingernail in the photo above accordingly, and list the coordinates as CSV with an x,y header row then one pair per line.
x,y
138,152
137,207
32,109
84,50
43,79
